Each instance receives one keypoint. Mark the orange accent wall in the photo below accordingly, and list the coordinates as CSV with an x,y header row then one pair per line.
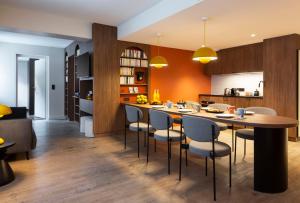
x,y
182,79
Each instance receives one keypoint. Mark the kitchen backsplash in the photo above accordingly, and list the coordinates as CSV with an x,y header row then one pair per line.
x,y
249,81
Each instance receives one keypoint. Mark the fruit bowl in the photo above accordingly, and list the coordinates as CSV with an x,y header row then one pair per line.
x,y
141,99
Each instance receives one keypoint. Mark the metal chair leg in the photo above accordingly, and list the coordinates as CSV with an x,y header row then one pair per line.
x,y
245,147
138,142
145,137
232,138
205,166
180,157
214,177
168,157
170,149
154,145
147,147
230,170
186,156
125,137
235,149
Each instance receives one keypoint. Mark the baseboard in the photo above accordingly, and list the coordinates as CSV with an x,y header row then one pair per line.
x,y
57,118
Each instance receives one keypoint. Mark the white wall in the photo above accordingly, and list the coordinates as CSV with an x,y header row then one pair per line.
x,y
8,61
249,81
23,84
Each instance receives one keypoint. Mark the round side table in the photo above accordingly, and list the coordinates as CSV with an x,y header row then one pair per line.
x,y
6,173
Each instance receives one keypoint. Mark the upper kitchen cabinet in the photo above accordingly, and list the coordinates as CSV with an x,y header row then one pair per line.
x,y
246,58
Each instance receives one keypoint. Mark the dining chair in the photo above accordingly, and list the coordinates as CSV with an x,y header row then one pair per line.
x,y
248,134
203,134
224,126
134,116
161,122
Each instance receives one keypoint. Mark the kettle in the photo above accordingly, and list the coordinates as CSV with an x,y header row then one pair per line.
x,y
227,92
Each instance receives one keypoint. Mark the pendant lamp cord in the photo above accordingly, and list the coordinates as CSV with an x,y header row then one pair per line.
x,y
204,31
158,43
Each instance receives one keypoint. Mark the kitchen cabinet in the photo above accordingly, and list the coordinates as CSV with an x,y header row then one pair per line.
x,y
247,58
239,102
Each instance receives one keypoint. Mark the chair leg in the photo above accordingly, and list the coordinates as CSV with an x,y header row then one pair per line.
x,y
147,147
145,137
138,142
170,149
186,158
245,145
205,166
180,157
168,156
125,137
214,177
154,145
232,138
27,155
235,149
230,170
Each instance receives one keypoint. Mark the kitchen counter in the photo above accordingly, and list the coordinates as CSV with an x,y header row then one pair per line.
x,y
216,95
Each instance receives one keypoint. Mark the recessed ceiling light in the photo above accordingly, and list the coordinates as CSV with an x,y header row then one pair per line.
x,y
253,35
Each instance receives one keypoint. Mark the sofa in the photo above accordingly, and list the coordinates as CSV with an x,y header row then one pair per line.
x,y
17,128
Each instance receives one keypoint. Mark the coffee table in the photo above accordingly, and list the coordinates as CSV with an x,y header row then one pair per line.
x,y
6,173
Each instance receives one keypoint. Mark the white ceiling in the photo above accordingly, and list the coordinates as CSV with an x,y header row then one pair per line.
x,y
110,12
231,23
19,38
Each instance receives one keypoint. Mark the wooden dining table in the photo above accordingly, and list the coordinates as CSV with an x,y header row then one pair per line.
x,y
270,144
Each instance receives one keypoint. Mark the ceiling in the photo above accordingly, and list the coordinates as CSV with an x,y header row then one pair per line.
x,y
110,12
19,38
231,22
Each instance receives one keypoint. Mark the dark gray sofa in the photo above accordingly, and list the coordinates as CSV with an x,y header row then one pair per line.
x,y
17,128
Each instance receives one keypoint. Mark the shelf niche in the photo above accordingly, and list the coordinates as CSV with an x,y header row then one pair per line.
x,y
134,74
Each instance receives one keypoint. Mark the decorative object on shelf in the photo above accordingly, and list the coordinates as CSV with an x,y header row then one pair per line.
x,y
139,76
141,99
136,90
158,61
205,54
2,140
256,93
156,97
90,95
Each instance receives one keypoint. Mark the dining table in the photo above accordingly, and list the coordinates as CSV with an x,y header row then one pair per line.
x,y
270,143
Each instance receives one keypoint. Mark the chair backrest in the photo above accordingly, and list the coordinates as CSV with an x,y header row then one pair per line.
x,y
220,106
262,110
159,120
193,105
199,129
132,113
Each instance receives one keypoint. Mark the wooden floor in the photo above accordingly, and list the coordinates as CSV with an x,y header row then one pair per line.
x,y
67,167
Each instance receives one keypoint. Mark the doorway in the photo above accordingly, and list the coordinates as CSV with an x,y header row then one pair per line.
x,y
31,85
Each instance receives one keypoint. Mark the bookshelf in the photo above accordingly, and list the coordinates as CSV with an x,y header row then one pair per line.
x,y
66,83
77,87
133,74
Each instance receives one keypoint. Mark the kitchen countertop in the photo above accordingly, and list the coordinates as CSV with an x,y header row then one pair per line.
x,y
218,95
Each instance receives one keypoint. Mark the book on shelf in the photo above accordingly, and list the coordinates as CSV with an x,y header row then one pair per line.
x,y
133,53
126,80
130,62
126,71
144,63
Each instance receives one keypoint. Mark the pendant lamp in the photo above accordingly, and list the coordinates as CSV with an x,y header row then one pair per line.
x,y
158,61
205,54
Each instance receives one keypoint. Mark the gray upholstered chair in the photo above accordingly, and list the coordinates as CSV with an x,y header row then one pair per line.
x,y
203,133
161,123
248,134
223,126
134,116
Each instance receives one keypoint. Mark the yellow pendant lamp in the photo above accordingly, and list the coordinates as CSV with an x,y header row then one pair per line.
x,y
158,61
205,54
4,110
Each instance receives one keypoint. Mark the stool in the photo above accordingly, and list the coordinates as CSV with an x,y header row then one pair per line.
x,y
88,128
82,123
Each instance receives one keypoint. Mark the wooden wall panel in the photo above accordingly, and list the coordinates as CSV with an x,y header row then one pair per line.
x,y
280,62
106,79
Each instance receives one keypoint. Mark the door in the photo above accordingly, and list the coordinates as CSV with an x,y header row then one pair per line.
x,y
40,88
